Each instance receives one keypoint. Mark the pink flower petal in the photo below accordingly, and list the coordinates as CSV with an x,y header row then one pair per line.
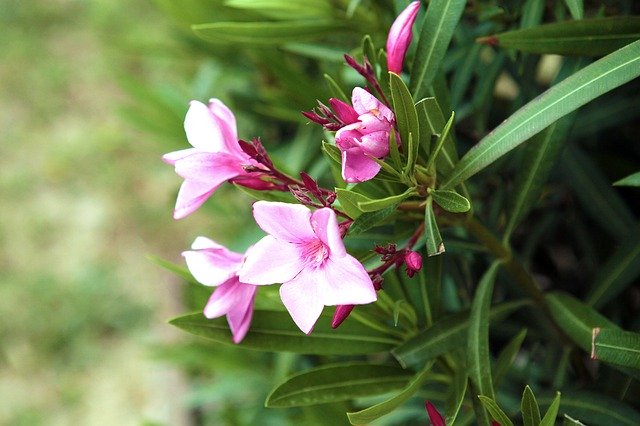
x,y
210,263
209,167
348,136
191,196
344,111
300,297
400,35
202,129
286,222
376,144
357,167
235,300
346,282
271,261
226,122
174,156
325,226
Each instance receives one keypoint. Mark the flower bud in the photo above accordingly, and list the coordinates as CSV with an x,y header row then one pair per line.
x,y
400,35
413,260
434,416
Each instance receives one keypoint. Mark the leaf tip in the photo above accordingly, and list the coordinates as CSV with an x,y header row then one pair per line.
x,y
488,40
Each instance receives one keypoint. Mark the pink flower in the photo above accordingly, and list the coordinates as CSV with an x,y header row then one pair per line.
x,y
213,265
366,137
215,157
304,251
400,36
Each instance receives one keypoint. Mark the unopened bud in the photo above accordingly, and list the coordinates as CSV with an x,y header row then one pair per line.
x,y
413,260
341,314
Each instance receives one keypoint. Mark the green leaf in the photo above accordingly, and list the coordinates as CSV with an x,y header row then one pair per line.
x,y
529,408
598,408
349,201
585,85
375,205
332,151
440,141
266,32
451,201
478,355
620,270
394,152
631,180
440,21
432,233
445,335
367,221
370,414
406,118
179,270
507,356
286,10
336,90
458,391
337,382
275,332
587,37
576,8
570,421
495,411
616,347
432,114
549,418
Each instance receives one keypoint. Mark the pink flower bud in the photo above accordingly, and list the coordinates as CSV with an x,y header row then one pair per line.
x,y
413,260
434,416
341,314
400,36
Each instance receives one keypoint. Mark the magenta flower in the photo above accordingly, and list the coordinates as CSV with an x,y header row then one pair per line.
x,y
304,251
400,35
213,265
215,157
364,138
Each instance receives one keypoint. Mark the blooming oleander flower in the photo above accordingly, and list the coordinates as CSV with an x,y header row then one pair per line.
x,y
400,35
364,138
304,251
215,157
213,265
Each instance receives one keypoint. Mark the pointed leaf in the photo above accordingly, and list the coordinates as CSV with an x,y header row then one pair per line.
x,y
507,356
367,221
375,205
406,117
495,411
276,332
370,414
631,180
616,347
432,115
265,32
458,391
576,7
337,382
529,408
451,201
549,418
432,233
585,85
598,408
349,201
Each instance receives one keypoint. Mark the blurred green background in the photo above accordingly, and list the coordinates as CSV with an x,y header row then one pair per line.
x,y
85,199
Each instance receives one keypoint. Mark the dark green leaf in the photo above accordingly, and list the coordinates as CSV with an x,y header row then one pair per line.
x,y
549,418
631,180
367,221
349,201
576,7
259,33
616,347
597,409
585,85
451,201
440,20
406,117
336,90
587,37
432,233
458,391
337,382
496,412
529,408
375,205
370,414
275,332
433,116
507,356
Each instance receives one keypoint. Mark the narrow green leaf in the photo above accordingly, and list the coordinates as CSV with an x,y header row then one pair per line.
x,y
285,10
529,408
587,37
631,180
275,332
394,152
620,270
370,414
458,391
349,201
445,335
375,205
507,356
549,418
495,411
478,355
179,270
432,114
266,32
367,221
440,142
426,130
585,85
432,233
463,73
332,151
440,21
337,382
532,13
570,421
336,90
616,347
597,409
406,117
451,201
576,8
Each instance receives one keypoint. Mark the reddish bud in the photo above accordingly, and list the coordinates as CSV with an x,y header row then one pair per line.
x,y
344,111
254,183
434,416
341,313
400,35
413,260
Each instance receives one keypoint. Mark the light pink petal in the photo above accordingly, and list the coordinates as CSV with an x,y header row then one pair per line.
x,y
325,225
348,136
364,102
240,315
300,297
209,167
227,123
222,300
202,128
191,196
375,144
210,263
271,261
357,167
344,111
346,282
174,156
400,36
286,222
370,123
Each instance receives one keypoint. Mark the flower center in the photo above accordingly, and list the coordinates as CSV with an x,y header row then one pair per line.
x,y
314,252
